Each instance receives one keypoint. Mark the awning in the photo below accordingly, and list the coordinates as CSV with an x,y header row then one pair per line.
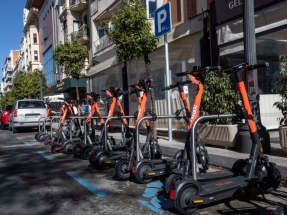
x,y
68,84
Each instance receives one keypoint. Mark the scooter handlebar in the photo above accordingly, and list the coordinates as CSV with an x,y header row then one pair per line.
x,y
200,70
257,66
176,85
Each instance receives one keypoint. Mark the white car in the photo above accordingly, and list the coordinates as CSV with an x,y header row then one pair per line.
x,y
26,113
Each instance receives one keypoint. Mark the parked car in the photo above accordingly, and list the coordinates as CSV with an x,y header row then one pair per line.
x,y
26,113
4,116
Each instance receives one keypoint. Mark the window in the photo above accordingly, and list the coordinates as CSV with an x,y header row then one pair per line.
x,y
150,6
176,12
35,38
101,31
48,64
44,33
36,55
30,104
65,31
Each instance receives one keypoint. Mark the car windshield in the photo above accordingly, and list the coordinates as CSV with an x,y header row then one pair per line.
x,y
9,107
30,104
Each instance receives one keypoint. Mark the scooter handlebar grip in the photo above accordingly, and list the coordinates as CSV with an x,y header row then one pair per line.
x,y
165,88
182,73
257,66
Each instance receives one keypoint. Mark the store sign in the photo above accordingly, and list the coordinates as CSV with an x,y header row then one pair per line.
x,y
226,9
60,86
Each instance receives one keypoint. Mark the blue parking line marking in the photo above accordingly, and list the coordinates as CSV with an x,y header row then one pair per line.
x,y
19,138
45,156
27,144
157,184
34,140
146,204
97,191
150,192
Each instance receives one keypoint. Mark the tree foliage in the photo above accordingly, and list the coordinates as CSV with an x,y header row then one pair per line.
x,y
131,32
132,35
71,57
220,96
282,104
25,85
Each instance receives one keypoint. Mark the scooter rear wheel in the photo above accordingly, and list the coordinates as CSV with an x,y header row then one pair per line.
x,y
141,173
100,161
37,134
182,202
86,153
169,180
121,171
77,150
68,148
47,140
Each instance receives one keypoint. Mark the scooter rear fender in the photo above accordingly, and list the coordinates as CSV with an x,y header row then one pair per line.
x,y
181,183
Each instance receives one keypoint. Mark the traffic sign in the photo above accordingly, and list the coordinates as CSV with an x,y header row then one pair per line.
x,y
162,20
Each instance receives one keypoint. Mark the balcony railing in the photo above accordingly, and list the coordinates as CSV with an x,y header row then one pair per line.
x,y
82,35
94,7
102,43
8,67
78,5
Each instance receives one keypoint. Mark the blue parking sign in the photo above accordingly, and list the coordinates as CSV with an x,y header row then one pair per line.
x,y
162,20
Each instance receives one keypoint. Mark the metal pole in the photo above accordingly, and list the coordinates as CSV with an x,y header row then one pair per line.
x,y
251,58
41,91
168,83
250,41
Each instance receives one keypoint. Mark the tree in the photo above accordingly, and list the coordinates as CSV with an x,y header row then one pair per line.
x,y
7,99
27,85
132,35
71,57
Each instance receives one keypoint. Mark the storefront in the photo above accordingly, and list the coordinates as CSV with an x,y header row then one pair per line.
x,y
69,86
271,42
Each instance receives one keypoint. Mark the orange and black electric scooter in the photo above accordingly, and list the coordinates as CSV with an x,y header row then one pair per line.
x,y
189,192
125,163
145,169
41,135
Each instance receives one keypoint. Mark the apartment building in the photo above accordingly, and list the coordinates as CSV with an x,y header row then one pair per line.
x,y
8,69
71,21
31,35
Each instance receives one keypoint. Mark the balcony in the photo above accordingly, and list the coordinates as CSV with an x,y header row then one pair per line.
x,y
78,5
94,7
9,75
101,44
32,17
63,10
8,67
83,35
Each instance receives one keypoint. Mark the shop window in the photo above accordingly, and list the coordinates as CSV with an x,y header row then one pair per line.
x,y
150,6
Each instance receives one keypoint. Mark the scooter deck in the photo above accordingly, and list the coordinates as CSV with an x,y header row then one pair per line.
x,y
212,176
223,188
119,148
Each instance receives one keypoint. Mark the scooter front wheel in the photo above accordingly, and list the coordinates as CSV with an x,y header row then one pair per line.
x,y
121,170
169,180
55,148
93,158
183,202
142,173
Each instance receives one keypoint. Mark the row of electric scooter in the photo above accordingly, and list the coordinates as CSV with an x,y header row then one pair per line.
x,y
187,185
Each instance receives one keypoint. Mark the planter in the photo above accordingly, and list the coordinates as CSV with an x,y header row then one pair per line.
x,y
219,135
283,137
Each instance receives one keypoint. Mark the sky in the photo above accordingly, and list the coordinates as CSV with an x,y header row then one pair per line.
x,y
11,22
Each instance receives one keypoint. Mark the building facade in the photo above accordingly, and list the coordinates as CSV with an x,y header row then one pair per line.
x,y
8,69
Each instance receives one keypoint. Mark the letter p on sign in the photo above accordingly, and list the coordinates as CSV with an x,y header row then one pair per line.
x,y
161,16
162,20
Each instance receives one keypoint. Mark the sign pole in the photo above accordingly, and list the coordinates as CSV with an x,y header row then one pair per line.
x,y
163,25
168,83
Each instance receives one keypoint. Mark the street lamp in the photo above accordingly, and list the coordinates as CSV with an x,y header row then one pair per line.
x,y
40,69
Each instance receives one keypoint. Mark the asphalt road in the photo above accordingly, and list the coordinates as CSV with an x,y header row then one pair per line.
x,y
35,181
